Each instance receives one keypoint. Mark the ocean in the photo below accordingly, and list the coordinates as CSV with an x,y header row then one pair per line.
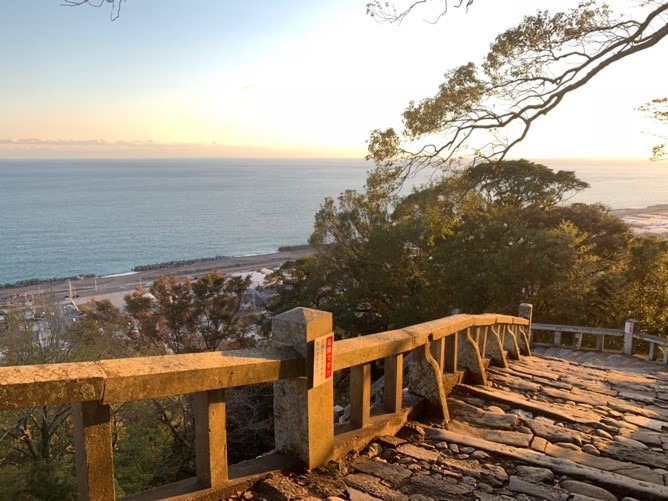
x,y
69,217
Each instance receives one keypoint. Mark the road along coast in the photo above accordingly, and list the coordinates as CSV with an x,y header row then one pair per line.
x,y
101,287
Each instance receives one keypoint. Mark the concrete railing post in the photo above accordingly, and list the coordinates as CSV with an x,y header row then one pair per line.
x,y
629,329
394,383
304,413
211,438
94,451
526,311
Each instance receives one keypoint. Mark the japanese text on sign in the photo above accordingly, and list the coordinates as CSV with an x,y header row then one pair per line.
x,y
323,359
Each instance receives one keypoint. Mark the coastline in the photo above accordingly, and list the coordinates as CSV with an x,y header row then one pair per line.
x,y
124,283
652,220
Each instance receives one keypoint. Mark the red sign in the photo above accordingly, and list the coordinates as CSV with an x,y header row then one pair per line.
x,y
323,359
329,356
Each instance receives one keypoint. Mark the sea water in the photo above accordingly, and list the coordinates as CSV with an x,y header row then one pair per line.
x,y
70,217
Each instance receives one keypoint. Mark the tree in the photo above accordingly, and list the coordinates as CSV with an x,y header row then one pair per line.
x,y
646,284
383,12
483,239
481,111
36,443
184,316
657,109
115,5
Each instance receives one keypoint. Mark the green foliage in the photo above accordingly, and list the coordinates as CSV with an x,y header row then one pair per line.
x,y
485,239
185,316
657,109
521,184
647,284
482,111
153,440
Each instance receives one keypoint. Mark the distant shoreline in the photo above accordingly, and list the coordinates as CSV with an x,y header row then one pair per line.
x,y
92,286
652,220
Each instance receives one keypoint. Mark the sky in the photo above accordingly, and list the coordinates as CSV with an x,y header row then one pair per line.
x,y
269,79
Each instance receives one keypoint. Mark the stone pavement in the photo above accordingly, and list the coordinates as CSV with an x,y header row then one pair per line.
x,y
582,427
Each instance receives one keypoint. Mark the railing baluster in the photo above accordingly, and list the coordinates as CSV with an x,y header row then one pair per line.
x,y
451,350
557,338
360,395
482,340
600,342
437,349
94,451
394,381
211,438
652,351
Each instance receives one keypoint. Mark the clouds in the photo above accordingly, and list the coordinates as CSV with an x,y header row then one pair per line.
x,y
35,147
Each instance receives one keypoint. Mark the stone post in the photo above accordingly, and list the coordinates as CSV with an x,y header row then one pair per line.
x,y
94,451
303,414
211,438
526,311
629,329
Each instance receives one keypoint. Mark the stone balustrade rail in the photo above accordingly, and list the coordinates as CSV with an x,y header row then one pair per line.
x,y
630,346
444,352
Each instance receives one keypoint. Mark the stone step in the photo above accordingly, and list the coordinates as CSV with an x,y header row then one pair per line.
x,y
612,481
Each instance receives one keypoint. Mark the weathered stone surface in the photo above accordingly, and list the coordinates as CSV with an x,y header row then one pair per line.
x,y
515,383
438,488
649,423
501,436
648,438
631,454
426,380
494,474
585,489
590,449
419,497
37,385
606,464
485,496
469,358
418,452
411,430
479,455
610,480
580,497
629,442
391,441
373,450
535,474
568,445
541,491
539,444
575,396
373,486
393,474
553,433
464,412
559,412
279,488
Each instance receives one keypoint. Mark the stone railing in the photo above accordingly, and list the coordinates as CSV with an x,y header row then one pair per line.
x,y
626,339
300,363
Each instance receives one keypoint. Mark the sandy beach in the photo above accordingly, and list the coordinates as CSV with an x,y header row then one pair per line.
x,y
115,287
651,220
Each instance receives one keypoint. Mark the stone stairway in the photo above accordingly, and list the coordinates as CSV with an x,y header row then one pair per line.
x,y
586,426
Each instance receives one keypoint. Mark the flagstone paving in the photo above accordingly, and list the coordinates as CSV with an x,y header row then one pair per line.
x,y
560,425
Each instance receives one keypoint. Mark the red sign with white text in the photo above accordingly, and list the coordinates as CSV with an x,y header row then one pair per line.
x,y
323,359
